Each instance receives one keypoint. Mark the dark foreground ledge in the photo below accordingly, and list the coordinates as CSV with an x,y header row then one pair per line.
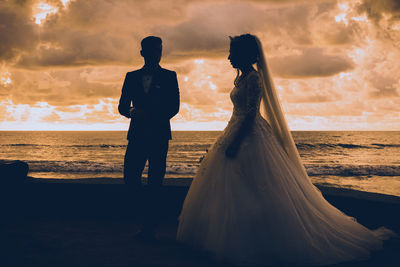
x,y
83,224
114,200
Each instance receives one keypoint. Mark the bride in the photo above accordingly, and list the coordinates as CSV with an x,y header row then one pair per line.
x,y
251,201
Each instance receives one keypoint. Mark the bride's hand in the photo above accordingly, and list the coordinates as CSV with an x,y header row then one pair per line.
x,y
232,150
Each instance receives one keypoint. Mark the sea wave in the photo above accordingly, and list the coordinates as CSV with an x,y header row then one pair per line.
x,y
202,146
175,147
74,166
352,170
66,146
190,169
386,145
100,167
24,145
99,145
307,146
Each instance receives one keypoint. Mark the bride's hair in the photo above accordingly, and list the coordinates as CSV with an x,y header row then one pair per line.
x,y
247,45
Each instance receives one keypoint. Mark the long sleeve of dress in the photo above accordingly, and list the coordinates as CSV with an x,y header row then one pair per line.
x,y
253,94
248,104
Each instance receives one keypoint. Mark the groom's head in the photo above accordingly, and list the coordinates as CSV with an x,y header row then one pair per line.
x,y
151,50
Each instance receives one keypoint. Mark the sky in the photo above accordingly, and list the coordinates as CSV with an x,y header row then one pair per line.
x,y
335,63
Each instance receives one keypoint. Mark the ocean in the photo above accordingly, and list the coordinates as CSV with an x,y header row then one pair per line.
x,y
361,160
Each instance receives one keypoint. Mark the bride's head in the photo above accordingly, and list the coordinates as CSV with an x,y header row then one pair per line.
x,y
243,51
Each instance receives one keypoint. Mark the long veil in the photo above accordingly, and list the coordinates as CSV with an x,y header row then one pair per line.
x,y
271,110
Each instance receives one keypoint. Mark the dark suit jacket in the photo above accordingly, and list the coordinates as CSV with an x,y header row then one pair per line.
x,y
161,103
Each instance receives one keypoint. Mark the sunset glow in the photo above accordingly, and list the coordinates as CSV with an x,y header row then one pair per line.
x,y
5,79
335,63
41,10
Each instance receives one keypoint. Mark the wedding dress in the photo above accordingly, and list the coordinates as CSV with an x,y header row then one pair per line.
x,y
260,206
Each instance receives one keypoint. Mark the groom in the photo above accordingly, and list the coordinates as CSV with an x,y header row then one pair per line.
x,y
150,98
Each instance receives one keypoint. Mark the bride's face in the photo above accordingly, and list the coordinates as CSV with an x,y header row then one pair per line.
x,y
236,57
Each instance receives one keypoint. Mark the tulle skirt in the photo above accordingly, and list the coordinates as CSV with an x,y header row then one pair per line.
x,y
257,208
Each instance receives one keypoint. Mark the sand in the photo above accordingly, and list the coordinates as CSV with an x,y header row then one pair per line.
x,y
89,222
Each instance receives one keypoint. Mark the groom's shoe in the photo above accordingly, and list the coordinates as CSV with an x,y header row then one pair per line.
x,y
146,235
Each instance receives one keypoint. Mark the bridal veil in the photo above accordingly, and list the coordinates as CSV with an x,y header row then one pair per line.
x,y
271,110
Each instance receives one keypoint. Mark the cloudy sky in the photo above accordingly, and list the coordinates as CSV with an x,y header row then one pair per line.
x,y
336,64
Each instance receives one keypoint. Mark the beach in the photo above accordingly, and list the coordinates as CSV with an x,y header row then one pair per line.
x,y
74,209
365,161
92,222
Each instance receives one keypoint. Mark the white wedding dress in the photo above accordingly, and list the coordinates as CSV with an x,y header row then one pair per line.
x,y
259,208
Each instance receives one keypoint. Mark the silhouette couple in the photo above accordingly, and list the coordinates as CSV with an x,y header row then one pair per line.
x,y
251,201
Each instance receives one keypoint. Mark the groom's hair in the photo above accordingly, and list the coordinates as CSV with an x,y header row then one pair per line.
x,y
151,42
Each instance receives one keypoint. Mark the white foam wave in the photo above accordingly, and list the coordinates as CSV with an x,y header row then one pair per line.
x,y
190,168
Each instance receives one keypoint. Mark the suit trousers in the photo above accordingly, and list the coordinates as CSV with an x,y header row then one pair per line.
x,y
137,153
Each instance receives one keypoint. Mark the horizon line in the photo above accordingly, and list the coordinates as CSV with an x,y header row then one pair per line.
x,y
210,130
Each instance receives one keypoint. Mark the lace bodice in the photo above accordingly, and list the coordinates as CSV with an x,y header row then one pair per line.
x,y
246,98
246,95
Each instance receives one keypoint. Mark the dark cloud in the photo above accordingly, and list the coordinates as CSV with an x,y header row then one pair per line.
x,y
205,33
59,88
312,62
375,9
385,14
340,34
86,33
96,32
79,48
17,29
326,31
109,32
384,86
208,28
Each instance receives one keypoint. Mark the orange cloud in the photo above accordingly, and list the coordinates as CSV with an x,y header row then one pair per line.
x,y
334,64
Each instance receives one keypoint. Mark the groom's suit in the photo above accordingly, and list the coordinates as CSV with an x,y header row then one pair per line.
x,y
148,136
161,102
